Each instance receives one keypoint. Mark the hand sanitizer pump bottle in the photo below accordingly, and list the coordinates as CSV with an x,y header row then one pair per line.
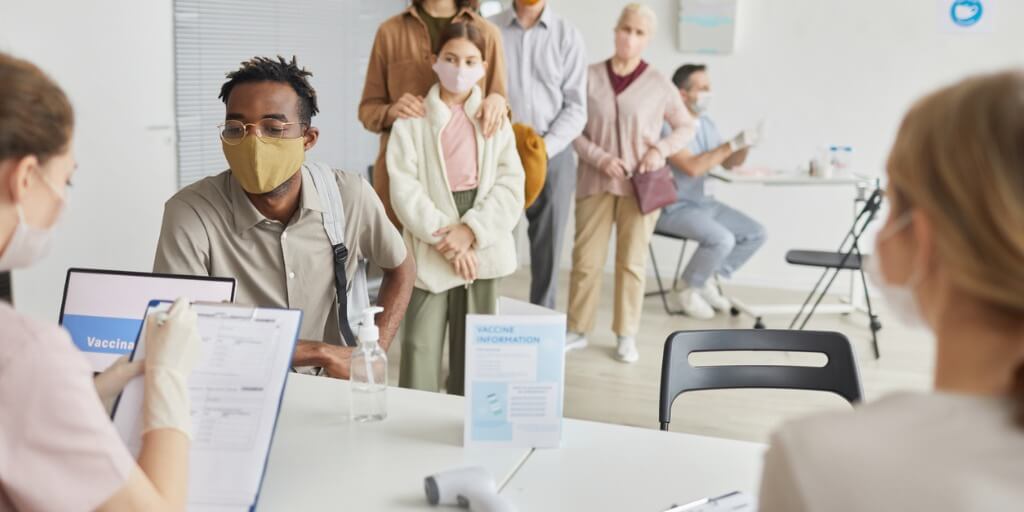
x,y
369,373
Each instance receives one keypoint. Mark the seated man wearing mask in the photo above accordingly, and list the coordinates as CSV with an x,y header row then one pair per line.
x,y
727,238
265,222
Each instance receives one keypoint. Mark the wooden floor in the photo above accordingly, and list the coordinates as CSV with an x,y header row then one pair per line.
x,y
600,388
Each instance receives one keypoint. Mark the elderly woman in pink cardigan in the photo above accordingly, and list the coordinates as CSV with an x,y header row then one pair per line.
x,y
628,102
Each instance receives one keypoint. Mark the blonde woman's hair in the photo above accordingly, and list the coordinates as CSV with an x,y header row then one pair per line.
x,y
639,9
959,158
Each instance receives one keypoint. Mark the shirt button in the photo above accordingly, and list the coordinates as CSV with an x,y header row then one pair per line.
x,y
284,236
291,275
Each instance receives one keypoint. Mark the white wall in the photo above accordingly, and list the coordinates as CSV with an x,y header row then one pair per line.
x,y
115,61
820,72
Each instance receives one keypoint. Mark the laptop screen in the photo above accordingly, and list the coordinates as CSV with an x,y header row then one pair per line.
x,y
103,309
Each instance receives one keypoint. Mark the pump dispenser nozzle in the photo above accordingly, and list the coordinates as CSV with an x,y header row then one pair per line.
x,y
368,330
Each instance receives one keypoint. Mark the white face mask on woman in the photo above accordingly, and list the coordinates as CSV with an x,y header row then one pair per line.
x,y
899,297
29,244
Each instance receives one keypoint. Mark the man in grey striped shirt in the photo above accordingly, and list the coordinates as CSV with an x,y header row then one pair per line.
x,y
547,88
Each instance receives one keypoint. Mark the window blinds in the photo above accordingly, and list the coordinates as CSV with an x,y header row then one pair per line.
x,y
331,38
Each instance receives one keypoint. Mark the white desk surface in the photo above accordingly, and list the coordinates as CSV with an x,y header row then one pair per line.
x,y
603,467
790,178
320,460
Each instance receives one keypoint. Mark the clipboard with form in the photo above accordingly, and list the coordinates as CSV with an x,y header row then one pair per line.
x,y
235,389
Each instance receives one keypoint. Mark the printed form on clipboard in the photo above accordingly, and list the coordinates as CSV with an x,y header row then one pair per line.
x,y
236,390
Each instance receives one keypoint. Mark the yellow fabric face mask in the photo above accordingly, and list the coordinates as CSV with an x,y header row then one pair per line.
x,y
262,165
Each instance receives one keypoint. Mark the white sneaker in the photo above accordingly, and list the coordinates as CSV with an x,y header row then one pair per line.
x,y
626,351
694,305
714,298
575,341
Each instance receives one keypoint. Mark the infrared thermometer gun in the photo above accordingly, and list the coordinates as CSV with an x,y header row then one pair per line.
x,y
471,488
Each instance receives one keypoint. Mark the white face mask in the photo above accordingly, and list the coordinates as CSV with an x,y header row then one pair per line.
x,y
899,297
703,101
28,244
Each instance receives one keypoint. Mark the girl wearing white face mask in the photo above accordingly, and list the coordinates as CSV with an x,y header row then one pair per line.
x,y
58,448
950,257
458,196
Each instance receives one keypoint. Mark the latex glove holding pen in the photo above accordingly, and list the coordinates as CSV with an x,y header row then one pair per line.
x,y
172,349
747,138
457,247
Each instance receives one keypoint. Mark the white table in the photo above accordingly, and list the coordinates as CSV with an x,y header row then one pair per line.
x,y
789,178
617,468
322,461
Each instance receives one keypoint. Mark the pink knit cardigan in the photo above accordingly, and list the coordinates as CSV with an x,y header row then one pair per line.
x,y
643,109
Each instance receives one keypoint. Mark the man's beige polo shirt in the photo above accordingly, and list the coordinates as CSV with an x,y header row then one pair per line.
x,y
211,228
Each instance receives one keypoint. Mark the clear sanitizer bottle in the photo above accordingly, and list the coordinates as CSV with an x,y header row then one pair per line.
x,y
369,373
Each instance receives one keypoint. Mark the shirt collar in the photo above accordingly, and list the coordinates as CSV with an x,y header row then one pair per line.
x,y
246,216
547,16
438,113
459,14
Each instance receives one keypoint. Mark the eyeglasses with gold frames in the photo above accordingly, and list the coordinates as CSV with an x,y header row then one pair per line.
x,y
232,132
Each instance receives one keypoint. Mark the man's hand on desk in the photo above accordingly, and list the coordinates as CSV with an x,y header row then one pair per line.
x,y
335,360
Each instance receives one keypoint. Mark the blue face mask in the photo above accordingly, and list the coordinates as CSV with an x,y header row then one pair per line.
x,y
899,297
28,244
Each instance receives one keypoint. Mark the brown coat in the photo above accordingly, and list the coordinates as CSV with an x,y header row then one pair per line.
x,y
400,63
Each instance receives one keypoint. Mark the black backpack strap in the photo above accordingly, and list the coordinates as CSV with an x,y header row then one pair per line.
x,y
341,285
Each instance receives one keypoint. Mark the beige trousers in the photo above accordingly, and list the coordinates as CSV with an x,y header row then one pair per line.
x,y
595,216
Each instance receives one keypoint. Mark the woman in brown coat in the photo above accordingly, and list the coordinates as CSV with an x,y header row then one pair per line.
x,y
399,74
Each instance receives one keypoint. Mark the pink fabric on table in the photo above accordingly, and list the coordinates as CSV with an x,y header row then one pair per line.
x,y
458,144
58,449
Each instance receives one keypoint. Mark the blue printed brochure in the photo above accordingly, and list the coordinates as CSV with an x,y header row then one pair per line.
x,y
515,376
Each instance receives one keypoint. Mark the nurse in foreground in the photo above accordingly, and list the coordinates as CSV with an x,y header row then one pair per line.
x,y
950,258
58,449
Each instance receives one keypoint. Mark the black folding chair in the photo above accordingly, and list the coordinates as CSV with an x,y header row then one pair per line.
x,y
662,290
6,287
678,376
374,274
847,257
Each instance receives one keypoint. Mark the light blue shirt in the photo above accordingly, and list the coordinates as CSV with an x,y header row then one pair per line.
x,y
547,76
707,138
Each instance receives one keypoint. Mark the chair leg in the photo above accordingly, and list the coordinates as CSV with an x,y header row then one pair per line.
x,y
807,301
873,322
664,425
657,277
824,291
679,266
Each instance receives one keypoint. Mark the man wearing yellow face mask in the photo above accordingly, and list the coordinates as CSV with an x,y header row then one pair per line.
x,y
273,222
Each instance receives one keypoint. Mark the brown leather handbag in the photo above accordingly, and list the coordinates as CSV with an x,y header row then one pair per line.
x,y
654,189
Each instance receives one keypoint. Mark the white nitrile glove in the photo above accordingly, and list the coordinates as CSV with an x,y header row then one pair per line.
x,y
111,381
743,139
747,138
172,349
